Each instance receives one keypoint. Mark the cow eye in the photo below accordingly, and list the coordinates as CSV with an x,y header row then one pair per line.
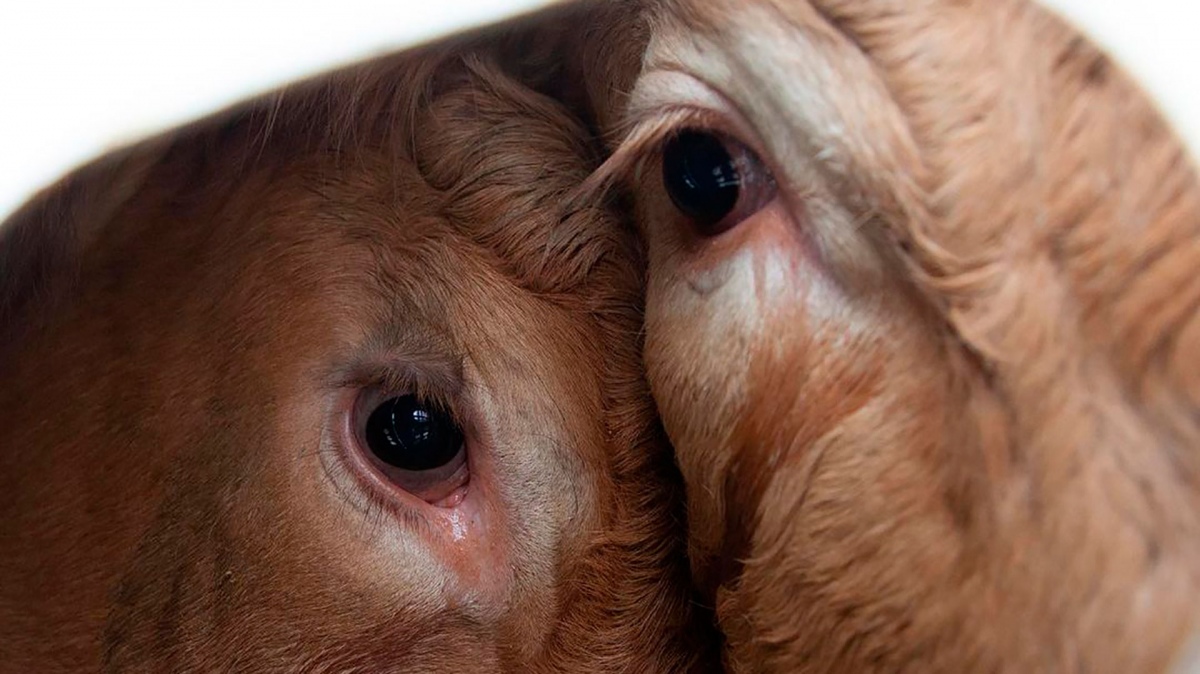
x,y
405,433
713,180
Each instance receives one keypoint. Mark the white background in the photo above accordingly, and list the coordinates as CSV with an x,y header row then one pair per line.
x,y
79,77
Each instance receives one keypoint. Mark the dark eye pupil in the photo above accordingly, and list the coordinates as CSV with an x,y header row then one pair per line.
x,y
701,178
407,434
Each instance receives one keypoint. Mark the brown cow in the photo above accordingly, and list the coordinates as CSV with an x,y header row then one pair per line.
x,y
338,381
923,323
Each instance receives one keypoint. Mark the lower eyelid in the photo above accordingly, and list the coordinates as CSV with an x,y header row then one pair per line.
x,y
341,473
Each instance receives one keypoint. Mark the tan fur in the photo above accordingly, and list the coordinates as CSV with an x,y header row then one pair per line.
x,y
937,407
176,320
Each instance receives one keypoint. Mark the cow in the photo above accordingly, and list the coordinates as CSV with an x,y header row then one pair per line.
x,y
922,323
339,380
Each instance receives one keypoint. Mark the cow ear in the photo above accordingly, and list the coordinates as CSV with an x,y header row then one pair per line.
x,y
42,244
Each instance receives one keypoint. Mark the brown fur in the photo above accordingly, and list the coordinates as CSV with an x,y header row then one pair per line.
x,y
936,407
176,319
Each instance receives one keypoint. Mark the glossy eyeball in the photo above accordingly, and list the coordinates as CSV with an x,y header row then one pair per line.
x,y
713,180
404,433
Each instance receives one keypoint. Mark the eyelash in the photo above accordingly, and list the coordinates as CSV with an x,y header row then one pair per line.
x,y
657,127
643,142
385,381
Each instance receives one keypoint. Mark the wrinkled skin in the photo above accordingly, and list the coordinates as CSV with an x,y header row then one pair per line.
x,y
187,327
934,394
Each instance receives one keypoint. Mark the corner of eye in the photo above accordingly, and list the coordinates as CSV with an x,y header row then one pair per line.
x,y
627,159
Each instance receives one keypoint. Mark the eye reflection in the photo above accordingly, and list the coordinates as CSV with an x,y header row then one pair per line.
x,y
713,180
700,177
405,433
